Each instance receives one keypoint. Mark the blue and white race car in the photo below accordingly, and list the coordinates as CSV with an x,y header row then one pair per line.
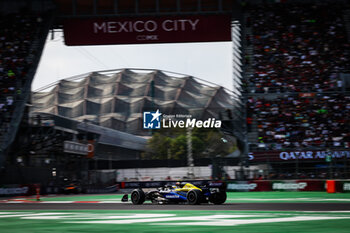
x,y
181,193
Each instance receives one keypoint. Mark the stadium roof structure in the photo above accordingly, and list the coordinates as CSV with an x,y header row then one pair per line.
x,y
117,98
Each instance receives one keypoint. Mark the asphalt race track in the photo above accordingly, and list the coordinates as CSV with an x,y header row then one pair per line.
x,y
227,206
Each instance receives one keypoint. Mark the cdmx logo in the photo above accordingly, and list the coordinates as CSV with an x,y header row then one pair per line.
x,y
151,120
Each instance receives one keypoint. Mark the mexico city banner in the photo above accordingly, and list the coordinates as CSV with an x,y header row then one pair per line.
x,y
144,30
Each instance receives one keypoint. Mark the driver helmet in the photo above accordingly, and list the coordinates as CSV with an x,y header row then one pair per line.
x,y
179,184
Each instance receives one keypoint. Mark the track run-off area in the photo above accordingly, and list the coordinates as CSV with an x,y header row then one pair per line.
x,y
243,212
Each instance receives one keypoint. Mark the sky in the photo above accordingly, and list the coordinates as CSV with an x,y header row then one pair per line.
x,y
209,61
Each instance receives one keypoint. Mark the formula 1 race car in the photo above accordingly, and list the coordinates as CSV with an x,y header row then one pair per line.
x,y
181,193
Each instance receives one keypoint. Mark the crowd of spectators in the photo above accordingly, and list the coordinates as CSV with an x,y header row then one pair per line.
x,y
299,52
298,48
17,32
320,121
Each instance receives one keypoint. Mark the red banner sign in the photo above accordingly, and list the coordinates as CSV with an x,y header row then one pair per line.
x,y
171,29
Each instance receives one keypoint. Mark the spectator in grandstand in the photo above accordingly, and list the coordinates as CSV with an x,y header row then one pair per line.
x,y
16,35
294,122
298,48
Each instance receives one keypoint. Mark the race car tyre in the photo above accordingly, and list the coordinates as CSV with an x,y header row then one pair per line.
x,y
138,197
194,196
218,198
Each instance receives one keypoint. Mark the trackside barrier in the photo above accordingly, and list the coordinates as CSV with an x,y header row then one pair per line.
x,y
345,186
254,185
18,189
249,186
108,189
232,186
156,184
276,185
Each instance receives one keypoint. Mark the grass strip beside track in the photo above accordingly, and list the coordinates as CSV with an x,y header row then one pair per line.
x,y
172,221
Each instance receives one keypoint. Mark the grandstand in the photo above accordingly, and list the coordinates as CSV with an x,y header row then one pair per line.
x,y
43,137
22,42
295,87
116,99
